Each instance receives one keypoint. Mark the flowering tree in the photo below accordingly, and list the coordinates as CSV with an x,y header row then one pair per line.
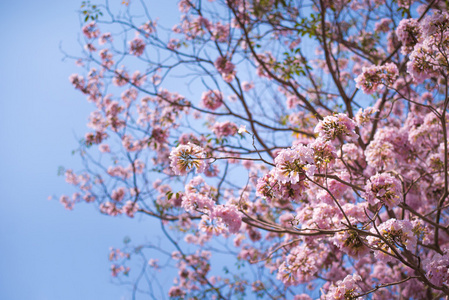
x,y
310,145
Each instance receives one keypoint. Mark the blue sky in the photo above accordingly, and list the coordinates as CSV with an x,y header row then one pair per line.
x,y
47,252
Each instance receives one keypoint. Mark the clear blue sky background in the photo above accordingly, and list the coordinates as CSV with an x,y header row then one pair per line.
x,y
46,252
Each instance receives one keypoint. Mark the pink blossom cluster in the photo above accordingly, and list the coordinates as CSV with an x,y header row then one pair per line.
x,y
199,27
173,44
365,116
324,153
423,64
116,270
136,46
383,25
384,188
149,27
105,38
422,131
335,126
121,77
159,134
409,33
193,28
220,32
216,219
395,233
184,6
293,164
336,188
84,185
373,78
226,68
212,99
95,137
300,266
350,242
346,289
119,171
229,215
106,58
319,214
130,208
266,59
110,208
166,198
176,292
116,254
91,30
66,202
428,58
438,268
380,154
277,193
78,82
198,196
138,79
211,226
113,209
389,148
225,128
193,272
436,23
118,194
186,157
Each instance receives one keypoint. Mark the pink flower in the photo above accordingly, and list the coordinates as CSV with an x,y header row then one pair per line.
x,y
224,129
220,32
300,266
345,289
176,291
136,46
277,193
339,125
324,153
383,25
121,78
186,157
374,77
118,194
130,208
149,27
364,116
105,38
110,208
397,233
212,99
226,68
438,268
90,30
384,188
409,33
293,164
351,243
197,196
229,215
